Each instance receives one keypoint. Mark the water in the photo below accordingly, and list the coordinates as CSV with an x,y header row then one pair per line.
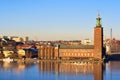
x,y
60,71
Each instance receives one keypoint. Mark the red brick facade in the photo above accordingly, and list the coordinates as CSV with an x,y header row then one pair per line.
x,y
76,53
98,42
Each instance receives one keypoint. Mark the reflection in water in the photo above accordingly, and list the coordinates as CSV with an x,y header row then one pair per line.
x,y
53,70
16,67
82,70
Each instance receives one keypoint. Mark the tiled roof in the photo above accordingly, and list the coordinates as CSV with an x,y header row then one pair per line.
x,y
76,46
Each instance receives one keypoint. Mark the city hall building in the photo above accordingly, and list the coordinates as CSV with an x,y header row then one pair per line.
x,y
95,51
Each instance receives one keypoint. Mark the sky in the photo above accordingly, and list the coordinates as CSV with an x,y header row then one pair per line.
x,y
58,19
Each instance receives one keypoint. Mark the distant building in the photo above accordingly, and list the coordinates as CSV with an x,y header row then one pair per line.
x,y
20,39
21,52
74,42
25,39
112,46
7,53
87,42
17,39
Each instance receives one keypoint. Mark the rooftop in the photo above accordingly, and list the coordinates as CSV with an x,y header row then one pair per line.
x,y
76,46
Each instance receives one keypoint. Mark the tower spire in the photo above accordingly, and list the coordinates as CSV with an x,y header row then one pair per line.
x,y
98,22
98,14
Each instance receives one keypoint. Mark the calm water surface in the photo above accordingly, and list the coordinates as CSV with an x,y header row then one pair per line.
x,y
59,71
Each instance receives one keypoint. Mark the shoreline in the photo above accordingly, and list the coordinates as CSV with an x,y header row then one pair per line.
x,y
58,60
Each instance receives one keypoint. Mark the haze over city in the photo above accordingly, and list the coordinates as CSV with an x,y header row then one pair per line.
x,y
58,19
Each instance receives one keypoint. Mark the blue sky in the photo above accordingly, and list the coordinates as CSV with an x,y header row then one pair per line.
x,y
58,19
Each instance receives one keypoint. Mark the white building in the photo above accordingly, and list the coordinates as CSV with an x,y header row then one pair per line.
x,y
17,39
87,42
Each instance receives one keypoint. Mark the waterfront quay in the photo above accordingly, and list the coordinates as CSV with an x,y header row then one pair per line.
x,y
70,61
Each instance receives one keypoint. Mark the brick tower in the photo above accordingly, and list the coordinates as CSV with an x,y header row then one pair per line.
x,y
98,39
